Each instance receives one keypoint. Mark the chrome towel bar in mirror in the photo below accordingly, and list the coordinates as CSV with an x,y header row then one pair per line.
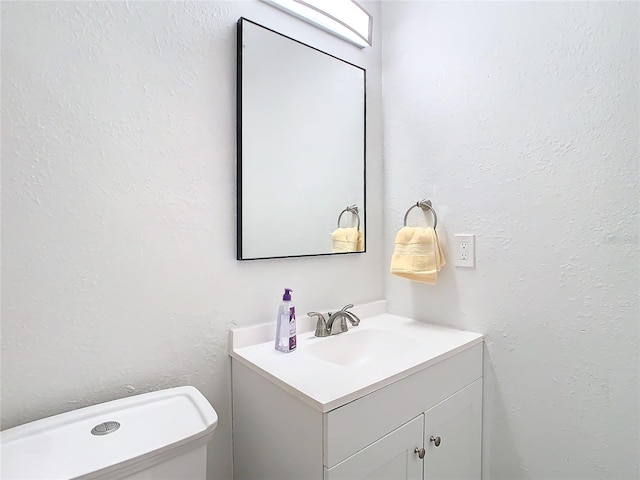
x,y
352,209
424,205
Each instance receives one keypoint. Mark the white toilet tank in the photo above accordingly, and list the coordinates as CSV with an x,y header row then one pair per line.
x,y
158,435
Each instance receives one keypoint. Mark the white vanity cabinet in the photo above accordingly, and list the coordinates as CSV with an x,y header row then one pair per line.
x,y
279,432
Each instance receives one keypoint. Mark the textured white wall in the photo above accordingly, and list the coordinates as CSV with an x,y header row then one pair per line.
x,y
520,121
118,205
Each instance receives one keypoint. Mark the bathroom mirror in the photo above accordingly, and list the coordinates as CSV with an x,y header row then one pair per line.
x,y
301,148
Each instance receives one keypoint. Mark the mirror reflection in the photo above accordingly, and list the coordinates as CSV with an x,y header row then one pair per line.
x,y
301,149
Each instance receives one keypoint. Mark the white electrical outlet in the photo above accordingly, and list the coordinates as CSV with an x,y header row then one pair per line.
x,y
465,250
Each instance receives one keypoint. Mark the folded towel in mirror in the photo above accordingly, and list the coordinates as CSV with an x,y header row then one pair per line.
x,y
417,255
346,240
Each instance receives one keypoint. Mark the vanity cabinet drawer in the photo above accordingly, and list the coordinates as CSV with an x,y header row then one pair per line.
x,y
352,427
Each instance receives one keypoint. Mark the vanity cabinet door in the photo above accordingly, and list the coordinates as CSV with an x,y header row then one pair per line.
x,y
453,436
391,457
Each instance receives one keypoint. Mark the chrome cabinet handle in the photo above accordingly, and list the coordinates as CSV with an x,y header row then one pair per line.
x,y
420,452
436,440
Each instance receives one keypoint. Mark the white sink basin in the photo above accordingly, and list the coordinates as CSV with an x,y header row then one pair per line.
x,y
360,347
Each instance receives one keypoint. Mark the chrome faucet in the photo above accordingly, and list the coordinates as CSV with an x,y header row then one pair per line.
x,y
325,328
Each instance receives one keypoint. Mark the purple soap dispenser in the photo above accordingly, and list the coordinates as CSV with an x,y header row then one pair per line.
x,y
286,324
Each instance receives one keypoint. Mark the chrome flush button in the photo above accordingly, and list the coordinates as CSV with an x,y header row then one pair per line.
x,y
105,428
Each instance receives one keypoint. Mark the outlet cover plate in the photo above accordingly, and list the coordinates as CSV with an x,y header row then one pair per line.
x,y
465,250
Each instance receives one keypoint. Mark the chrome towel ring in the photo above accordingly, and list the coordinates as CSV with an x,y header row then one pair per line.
x,y
351,209
424,205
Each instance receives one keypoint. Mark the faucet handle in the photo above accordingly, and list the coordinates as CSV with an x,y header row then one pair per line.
x,y
321,324
321,320
347,307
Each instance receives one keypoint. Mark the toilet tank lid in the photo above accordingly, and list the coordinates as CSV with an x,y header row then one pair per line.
x,y
151,426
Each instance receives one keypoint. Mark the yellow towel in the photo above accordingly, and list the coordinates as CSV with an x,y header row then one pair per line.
x,y
345,240
417,255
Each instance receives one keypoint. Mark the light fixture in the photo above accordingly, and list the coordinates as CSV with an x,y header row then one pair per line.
x,y
344,18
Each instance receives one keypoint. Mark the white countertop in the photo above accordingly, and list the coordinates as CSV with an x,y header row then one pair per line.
x,y
326,386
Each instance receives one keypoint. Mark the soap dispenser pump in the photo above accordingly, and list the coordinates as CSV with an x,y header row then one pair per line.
x,y
286,324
